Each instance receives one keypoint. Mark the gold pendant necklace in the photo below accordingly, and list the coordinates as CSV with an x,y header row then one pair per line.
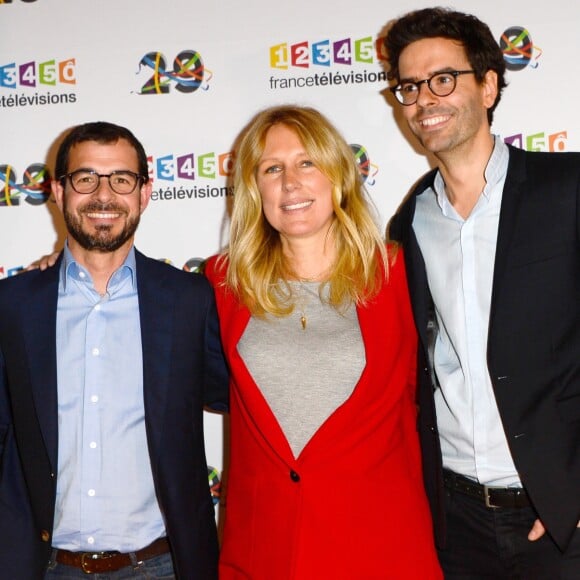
x,y
303,301
306,294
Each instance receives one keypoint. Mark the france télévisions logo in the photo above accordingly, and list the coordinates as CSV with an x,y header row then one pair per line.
x,y
518,49
540,141
7,272
37,82
186,74
331,62
178,176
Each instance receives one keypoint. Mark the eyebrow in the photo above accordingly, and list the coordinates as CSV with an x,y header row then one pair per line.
x,y
432,74
267,160
96,171
302,153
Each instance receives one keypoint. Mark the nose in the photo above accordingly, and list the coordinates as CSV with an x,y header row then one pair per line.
x,y
290,179
103,191
425,95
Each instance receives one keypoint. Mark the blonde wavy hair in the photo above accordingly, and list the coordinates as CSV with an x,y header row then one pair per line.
x,y
257,270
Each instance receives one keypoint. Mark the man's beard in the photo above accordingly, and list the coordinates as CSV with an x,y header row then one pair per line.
x,y
102,240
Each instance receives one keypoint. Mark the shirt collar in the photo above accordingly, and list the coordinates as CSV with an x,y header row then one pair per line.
x,y
495,172
71,269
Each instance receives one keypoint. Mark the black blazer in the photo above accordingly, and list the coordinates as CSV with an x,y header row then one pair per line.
x,y
183,369
533,350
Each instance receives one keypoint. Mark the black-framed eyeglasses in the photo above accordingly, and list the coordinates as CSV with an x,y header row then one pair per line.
x,y
87,181
441,84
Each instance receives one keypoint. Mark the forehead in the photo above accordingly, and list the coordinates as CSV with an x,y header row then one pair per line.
x,y
428,55
91,154
280,137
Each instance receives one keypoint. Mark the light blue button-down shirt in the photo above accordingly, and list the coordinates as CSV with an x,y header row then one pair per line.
x,y
105,492
459,258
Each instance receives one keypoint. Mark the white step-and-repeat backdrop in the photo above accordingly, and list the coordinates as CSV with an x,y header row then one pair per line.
x,y
185,76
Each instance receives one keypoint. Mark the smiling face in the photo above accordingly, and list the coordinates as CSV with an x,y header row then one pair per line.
x,y
102,221
458,121
296,195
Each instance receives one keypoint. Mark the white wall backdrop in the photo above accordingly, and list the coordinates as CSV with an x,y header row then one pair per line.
x,y
185,76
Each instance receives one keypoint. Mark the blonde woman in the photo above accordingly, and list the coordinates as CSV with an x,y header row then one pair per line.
x,y
325,478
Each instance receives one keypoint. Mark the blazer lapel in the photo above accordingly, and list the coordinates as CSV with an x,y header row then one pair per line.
x,y
249,397
402,231
512,194
156,342
39,332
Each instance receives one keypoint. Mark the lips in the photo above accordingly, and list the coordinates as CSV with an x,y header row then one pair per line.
x,y
433,121
103,212
102,216
297,205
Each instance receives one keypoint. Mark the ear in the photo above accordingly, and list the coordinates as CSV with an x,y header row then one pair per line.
x,y
58,192
489,88
145,193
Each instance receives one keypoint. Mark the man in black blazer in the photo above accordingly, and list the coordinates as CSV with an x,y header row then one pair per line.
x,y
106,363
492,248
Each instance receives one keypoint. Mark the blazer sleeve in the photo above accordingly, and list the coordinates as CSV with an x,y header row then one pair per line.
x,y
216,396
5,418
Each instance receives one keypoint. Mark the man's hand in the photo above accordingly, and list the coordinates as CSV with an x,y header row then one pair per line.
x,y
537,531
44,262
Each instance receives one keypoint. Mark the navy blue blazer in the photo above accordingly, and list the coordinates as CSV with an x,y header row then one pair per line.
x,y
533,350
183,370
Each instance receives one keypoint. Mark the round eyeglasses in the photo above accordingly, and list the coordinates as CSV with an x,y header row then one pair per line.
x,y
440,84
87,181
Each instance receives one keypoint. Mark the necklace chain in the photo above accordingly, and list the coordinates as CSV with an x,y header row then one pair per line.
x,y
303,301
316,277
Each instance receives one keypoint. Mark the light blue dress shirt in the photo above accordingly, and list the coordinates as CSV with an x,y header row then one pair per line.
x,y
105,493
459,258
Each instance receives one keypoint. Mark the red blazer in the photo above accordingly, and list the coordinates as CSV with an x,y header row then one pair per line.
x,y
352,505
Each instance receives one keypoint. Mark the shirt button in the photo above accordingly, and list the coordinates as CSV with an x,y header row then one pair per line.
x,y
92,445
94,399
95,352
91,540
91,492
98,307
294,476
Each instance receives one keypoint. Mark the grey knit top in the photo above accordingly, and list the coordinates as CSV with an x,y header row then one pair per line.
x,y
307,364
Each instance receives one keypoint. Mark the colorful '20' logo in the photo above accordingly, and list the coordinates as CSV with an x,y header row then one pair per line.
x,y
366,169
518,49
35,186
188,74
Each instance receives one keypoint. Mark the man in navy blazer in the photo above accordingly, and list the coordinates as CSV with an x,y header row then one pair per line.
x,y
106,363
492,249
